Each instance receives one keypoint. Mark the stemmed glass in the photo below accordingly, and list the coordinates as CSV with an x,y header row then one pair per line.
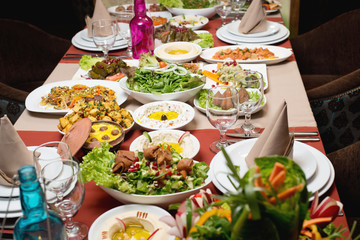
x,y
236,6
222,112
104,35
65,191
48,152
250,86
123,19
223,11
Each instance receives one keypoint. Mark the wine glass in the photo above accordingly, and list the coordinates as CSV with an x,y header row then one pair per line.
x,y
222,112
48,152
64,192
236,6
104,34
123,19
223,11
250,86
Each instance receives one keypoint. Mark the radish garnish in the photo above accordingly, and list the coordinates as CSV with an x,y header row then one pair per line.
x,y
183,136
329,207
122,223
153,234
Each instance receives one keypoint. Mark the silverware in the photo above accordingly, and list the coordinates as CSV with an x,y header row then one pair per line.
x,y
255,135
302,139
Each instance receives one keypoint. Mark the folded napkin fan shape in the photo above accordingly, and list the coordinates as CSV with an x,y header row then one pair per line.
x,y
13,152
254,19
100,12
275,140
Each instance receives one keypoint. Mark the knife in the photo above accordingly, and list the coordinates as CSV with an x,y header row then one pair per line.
x,y
255,135
303,139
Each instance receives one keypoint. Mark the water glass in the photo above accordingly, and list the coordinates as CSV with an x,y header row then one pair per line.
x,y
65,191
250,87
123,19
223,11
236,6
104,35
222,112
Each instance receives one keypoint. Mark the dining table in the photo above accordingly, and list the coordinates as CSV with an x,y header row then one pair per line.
x,y
284,81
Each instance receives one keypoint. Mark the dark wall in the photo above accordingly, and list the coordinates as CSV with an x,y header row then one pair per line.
x,y
315,12
63,18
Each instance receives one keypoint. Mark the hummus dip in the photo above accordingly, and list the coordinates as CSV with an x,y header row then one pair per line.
x,y
185,148
178,50
149,222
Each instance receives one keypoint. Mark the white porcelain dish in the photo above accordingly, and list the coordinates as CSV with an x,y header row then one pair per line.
x,y
185,112
227,37
206,12
241,114
149,97
166,15
281,53
192,51
32,102
135,145
95,231
261,68
272,28
193,22
159,200
316,166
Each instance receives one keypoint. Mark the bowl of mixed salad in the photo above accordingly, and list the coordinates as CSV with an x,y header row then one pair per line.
x,y
161,81
158,175
204,8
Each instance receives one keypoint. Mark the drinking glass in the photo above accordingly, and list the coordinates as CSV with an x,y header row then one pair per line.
x,y
236,6
250,86
222,112
223,11
64,191
104,34
123,19
48,152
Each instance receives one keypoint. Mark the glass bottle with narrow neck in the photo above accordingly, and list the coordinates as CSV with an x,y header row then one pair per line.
x,y
37,222
142,30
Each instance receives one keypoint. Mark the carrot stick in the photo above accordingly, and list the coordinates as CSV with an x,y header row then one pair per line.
x,y
287,193
306,233
218,65
278,179
212,76
278,167
310,222
258,181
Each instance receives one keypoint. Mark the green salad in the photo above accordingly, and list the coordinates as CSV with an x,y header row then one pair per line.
x,y
160,80
189,4
206,40
254,95
146,179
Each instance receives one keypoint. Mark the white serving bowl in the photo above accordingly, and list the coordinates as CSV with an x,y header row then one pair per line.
x,y
135,145
199,21
149,97
185,111
206,12
162,52
159,200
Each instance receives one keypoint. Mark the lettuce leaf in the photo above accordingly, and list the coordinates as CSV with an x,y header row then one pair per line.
x,y
172,3
86,62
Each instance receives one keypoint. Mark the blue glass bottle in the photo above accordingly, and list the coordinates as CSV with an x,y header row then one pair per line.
x,y
36,219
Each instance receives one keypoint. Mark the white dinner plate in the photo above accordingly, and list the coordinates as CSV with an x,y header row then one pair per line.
x,y
317,167
79,42
95,231
281,53
227,37
254,67
15,204
195,141
272,28
32,102
5,191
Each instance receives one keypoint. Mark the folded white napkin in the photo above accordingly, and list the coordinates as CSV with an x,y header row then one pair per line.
x,y
100,12
13,152
275,139
254,19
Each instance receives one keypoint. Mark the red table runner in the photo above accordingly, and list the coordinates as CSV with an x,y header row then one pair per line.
x,y
97,201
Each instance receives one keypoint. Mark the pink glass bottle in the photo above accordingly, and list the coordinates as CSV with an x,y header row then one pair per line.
x,y
142,30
